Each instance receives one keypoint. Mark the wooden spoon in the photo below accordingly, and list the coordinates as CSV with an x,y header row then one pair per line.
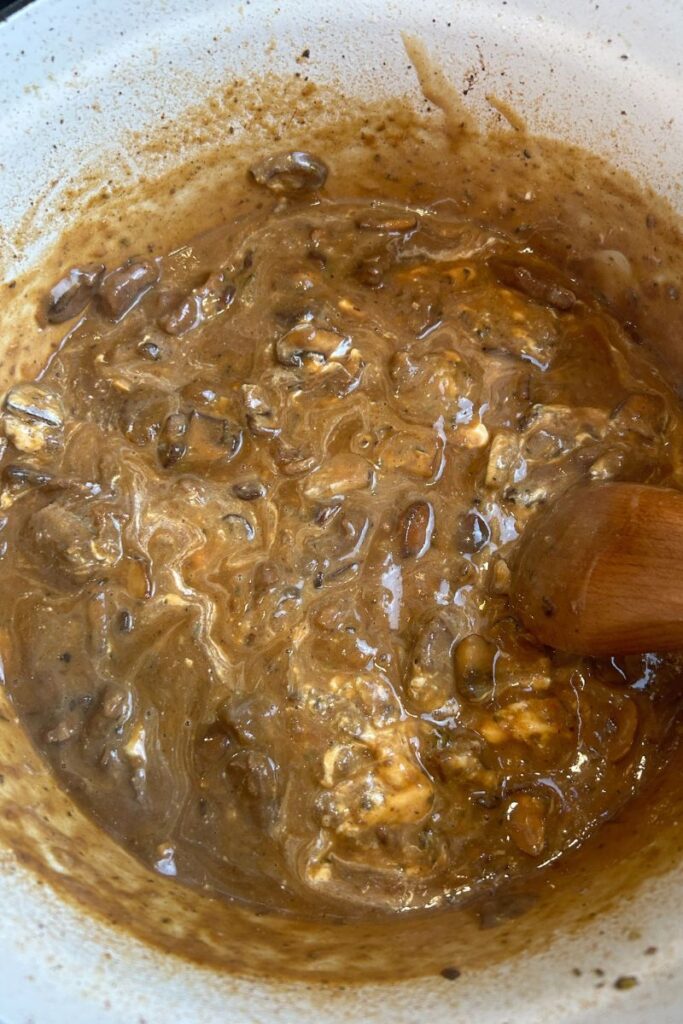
x,y
600,571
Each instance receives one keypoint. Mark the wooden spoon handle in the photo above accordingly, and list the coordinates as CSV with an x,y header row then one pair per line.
x,y
601,571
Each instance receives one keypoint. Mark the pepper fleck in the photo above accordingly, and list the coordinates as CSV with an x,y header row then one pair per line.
x,y
625,982
450,973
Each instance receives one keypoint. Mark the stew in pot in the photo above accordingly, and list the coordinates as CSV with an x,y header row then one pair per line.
x,y
256,520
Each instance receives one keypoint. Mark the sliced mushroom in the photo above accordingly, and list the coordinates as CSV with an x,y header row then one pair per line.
x,y
256,774
249,490
336,380
173,439
33,418
212,438
433,385
552,430
504,463
183,317
149,350
237,528
25,476
35,403
473,662
123,288
527,821
188,312
371,272
216,294
260,413
538,284
198,440
305,342
294,461
620,731
143,414
290,173
472,533
430,672
72,293
462,758
116,703
415,527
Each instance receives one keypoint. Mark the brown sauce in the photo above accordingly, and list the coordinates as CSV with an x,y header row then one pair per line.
x,y
257,516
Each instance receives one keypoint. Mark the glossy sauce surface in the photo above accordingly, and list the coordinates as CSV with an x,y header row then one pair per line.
x,y
257,517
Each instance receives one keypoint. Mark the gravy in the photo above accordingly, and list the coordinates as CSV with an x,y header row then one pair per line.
x,y
257,513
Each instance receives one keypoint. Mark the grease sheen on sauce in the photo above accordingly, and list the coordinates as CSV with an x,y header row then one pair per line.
x,y
256,521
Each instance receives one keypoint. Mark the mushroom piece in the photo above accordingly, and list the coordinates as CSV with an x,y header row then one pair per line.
x,y
123,288
82,544
371,272
290,173
538,284
187,312
430,676
35,402
212,438
415,527
33,417
294,461
260,414
473,662
173,440
504,464
249,490
25,476
305,342
198,440
472,533
184,316
527,823
72,293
